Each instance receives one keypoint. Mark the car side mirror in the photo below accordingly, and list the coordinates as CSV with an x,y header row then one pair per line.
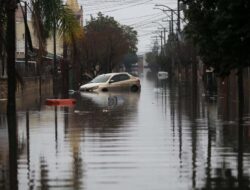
x,y
111,81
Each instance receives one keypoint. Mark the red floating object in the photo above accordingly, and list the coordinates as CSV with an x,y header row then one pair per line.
x,y
60,102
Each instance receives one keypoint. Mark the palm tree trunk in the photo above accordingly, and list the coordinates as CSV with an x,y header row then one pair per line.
x,y
54,59
65,71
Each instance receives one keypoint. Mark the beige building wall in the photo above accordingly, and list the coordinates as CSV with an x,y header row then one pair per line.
x,y
59,45
20,37
78,10
20,31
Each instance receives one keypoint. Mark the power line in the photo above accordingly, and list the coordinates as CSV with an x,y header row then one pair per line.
x,y
140,14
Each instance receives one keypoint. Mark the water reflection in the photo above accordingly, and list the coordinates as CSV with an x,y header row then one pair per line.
x,y
203,117
107,101
105,111
168,136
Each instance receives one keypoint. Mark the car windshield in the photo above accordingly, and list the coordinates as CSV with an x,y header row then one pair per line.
x,y
100,79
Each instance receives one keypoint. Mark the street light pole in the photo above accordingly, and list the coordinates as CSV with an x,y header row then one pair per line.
x,y
171,26
164,31
173,11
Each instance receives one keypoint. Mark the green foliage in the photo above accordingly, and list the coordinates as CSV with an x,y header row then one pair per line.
x,y
105,23
39,18
69,27
151,59
221,31
129,60
106,43
131,36
48,14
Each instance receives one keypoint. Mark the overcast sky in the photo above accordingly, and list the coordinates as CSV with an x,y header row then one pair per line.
x,y
139,14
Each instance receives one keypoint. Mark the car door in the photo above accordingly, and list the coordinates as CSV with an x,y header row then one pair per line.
x,y
119,82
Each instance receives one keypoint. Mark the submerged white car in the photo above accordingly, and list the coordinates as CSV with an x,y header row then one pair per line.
x,y
162,75
113,81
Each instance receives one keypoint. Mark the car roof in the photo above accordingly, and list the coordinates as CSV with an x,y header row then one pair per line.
x,y
116,73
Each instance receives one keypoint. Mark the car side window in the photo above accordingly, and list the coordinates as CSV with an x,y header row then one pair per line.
x,y
124,77
115,78
120,77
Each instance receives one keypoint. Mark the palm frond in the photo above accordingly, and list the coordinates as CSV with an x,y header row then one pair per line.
x,y
69,27
40,30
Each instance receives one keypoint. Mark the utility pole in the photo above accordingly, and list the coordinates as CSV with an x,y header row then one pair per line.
x,y
161,42
170,27
178,17
172,35
172,21
178,35
164,29
173,11
164,45
164,32
11,55
25,39
11,6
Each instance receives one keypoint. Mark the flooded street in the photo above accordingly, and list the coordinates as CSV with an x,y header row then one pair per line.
x,y
165,137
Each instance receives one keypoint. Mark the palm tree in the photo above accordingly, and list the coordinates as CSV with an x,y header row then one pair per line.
x,y
42,35
71,32
46,15
51,17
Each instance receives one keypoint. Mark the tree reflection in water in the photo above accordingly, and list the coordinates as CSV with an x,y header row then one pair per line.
x,y
102,140
223,176
105,111
44,174
74,132
13,144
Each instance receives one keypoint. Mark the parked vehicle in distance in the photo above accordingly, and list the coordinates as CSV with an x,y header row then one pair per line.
x,y
112,82
162,75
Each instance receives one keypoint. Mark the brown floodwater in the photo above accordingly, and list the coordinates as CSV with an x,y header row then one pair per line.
x,y
164,137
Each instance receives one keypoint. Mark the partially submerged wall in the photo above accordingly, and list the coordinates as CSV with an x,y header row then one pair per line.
x,y
31,87
3,88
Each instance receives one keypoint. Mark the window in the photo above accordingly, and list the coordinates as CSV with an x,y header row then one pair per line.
x,y
100,79
120,77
